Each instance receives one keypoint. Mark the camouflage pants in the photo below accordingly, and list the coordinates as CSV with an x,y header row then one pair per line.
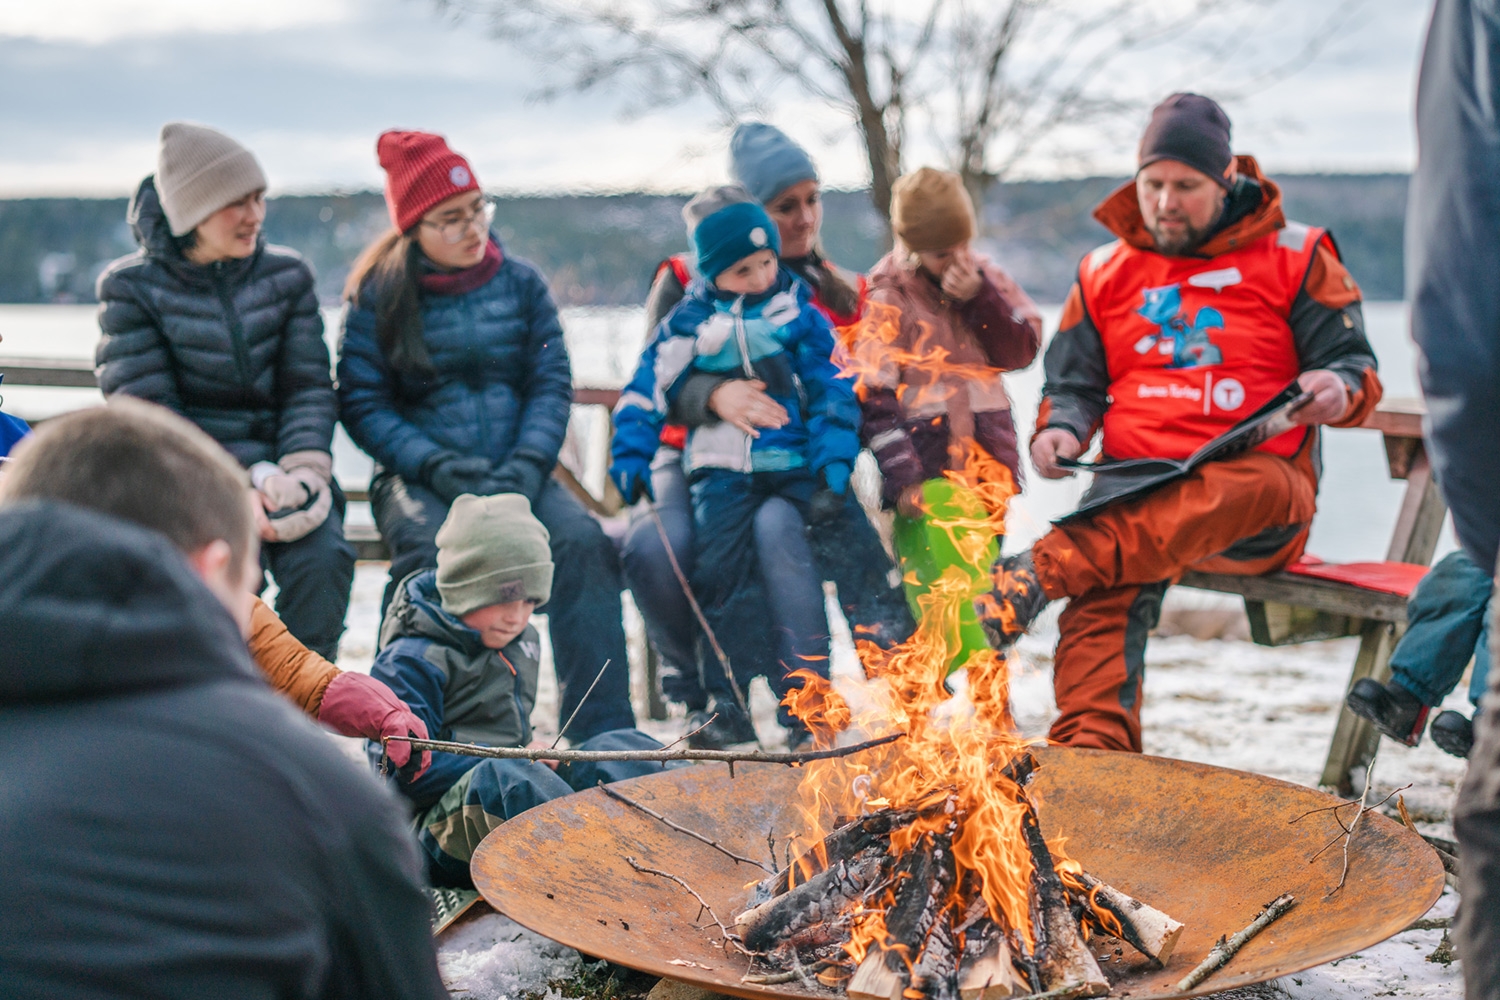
x,y
495,790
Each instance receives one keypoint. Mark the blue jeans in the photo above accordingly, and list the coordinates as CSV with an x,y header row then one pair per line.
x,y
1446,626
494,791
583,617
790,590
726,578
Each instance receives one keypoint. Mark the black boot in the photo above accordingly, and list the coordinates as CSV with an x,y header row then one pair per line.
x,y
1007,611
1453,733
732,726
1395,711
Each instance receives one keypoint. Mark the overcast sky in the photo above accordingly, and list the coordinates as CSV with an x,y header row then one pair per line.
x,y
308,84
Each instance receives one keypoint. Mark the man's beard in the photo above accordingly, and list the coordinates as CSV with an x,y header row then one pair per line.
x,y
1189,239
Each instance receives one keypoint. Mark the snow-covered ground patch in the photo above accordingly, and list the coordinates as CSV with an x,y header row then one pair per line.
x,y
1223,702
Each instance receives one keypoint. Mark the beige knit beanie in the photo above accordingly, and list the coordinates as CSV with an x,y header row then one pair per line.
x,y
930,210
199,170
492,550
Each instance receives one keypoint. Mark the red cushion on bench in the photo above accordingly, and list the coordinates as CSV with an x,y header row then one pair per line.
x,y
1386,577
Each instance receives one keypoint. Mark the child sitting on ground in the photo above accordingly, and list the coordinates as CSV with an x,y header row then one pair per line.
x,y
457,646
748,316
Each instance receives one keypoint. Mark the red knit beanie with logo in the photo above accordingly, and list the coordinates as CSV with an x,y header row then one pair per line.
x,y
420,172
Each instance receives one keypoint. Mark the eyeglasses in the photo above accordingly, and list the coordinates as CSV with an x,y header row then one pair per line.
x,y
454,230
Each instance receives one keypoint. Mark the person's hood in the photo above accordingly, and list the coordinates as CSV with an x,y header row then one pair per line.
x,y
417,612
148,223
92,606
1120,213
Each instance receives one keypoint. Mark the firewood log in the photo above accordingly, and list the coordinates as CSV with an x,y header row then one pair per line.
x,y
985,971
844,842
1148,930
1065,964
924,877
819,900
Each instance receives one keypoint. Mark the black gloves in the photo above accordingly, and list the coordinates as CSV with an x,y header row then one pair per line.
x,y
519,474
450,475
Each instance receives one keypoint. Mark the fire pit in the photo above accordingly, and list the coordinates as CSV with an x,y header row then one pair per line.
x,y
1206,845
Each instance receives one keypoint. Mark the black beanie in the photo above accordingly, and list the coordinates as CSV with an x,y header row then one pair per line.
x,y
1190,129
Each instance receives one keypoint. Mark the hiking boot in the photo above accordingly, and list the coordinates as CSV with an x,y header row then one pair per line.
x,y
1007,611
1395,711
798,739
1453,733
731,727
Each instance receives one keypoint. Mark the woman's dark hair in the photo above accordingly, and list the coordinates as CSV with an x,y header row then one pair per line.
x,y
386,272
839,295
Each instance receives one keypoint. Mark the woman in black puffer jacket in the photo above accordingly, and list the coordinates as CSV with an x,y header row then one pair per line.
x,y
208,320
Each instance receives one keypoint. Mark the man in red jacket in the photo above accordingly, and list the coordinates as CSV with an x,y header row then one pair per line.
x,y
1208,304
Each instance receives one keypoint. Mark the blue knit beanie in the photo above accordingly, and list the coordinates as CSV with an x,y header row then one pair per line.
x,y
731,234
766,162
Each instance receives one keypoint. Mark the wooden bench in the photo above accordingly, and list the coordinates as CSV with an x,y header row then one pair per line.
x,y
1285,607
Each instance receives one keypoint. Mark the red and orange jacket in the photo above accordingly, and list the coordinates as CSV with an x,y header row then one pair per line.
x,y
1164,353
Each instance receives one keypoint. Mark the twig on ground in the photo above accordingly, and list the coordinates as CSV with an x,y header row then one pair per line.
x,y
1224,950
695,732
1347,834
738,859
574,714
1430,924
701,902
663,756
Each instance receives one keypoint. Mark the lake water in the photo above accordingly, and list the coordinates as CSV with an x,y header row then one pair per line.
x,y
1357,506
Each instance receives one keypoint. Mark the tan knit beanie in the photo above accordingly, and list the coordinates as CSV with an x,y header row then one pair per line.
x,y
492,550
930,210
199,170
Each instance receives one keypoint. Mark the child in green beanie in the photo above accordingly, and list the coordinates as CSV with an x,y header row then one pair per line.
x,y
458,645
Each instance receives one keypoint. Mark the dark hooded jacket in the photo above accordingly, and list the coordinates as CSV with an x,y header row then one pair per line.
x,y
236,346
463,690
171,827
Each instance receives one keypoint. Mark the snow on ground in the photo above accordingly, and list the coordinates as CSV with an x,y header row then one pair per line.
x,y
1223,702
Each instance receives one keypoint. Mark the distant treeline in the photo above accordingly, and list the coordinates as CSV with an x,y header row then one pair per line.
x,y
602,249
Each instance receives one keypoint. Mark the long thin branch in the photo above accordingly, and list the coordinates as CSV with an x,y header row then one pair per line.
x,y
664,756
1224,950
738,858
701,902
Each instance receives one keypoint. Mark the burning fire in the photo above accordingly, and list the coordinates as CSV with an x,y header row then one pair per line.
x,y
951,768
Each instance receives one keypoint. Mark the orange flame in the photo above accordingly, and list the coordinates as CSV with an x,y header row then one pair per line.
x,y
953,756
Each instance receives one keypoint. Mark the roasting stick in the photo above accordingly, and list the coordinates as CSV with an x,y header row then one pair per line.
x,y
1224,950
692,599
663,756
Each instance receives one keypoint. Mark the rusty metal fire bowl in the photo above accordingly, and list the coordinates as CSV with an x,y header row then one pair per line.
x,y
1207,845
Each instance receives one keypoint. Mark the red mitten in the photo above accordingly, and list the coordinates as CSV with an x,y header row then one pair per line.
x,y
359,705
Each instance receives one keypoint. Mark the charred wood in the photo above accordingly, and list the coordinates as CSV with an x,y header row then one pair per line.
x,y
1062,960
844,842
924,878
820,900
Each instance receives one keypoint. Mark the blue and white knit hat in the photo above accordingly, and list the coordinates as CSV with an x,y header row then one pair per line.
x,y
729,233
766,162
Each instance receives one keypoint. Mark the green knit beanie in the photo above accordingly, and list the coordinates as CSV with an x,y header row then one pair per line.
x,y
492,550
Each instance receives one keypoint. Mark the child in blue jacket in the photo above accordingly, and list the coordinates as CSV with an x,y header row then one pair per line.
x,y
458,647
747,315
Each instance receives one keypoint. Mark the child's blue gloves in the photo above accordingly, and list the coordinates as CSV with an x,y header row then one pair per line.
x,y
836,476
632,477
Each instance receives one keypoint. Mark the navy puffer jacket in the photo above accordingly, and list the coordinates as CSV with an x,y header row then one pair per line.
x,y
236,347
500,387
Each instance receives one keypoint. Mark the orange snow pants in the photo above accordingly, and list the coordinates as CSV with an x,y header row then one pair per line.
x,y
1246,515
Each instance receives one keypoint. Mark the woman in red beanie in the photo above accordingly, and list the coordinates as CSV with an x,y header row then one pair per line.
x,y
454,377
